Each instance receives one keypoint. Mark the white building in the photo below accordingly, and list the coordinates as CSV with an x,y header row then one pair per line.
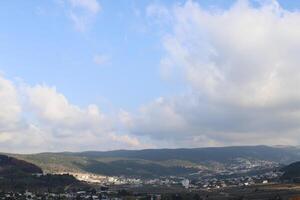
x,y
185,183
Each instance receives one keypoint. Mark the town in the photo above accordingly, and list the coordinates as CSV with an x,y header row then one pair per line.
x,y
239,175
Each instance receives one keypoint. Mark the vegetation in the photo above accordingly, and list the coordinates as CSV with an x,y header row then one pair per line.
x,y
19,175
291,172
156,162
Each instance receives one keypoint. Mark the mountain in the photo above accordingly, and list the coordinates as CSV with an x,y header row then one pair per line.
x,y
20,175
291,172
10,166
159,162
198,155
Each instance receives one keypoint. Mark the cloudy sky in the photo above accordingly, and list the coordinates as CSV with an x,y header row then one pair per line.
x,y
81,75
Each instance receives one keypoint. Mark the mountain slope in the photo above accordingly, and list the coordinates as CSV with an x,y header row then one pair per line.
x,y
10,165
291,172
157,162
198,155
19,175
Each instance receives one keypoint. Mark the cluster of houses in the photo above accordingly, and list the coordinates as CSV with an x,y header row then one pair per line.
x,y
220,180
106,193
89,195
78,195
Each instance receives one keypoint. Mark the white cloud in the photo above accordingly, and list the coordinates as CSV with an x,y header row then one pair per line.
x,y
241,65
77,127
129,141
15,133
83,13
101,59
53,106
159,119
158,13
91,5
10,108
231,54
39,118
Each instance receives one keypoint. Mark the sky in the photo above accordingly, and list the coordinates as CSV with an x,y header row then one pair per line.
x,y
79,75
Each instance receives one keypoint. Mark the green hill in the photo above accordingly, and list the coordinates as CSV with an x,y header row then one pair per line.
x,y
10,166
158,162
20,175
291,172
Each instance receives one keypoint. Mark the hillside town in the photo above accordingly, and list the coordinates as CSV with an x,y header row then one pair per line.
x,y
241,172
208,182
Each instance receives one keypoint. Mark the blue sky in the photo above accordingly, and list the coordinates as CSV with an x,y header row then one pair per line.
x,y
103,60
41,45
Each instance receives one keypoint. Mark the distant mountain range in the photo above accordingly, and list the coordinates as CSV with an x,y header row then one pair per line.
x,y
161,162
